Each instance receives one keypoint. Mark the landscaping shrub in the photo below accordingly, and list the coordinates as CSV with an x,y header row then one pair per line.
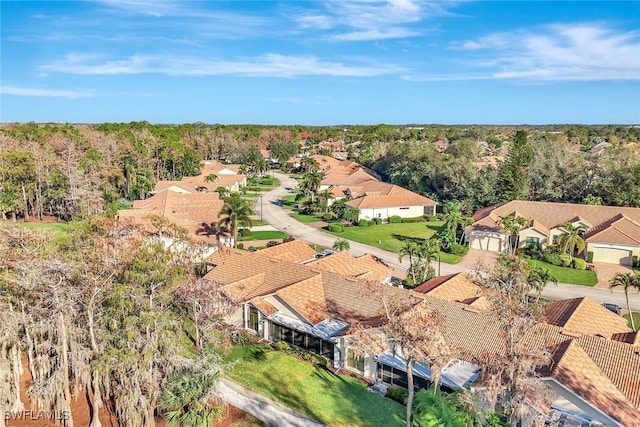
x,y
433,218
283,346
552,258
457,249
579,264
272,243
590,256
413,220
288,239
252,249
240,246
329,216
244,232
394,219
635,261
398,394
363,223
377,221
242,338
266,181
565,260
335,228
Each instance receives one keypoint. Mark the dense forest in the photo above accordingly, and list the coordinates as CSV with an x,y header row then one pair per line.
x,y
74,171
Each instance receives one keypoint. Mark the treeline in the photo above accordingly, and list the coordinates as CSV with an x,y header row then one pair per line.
x,y
75,171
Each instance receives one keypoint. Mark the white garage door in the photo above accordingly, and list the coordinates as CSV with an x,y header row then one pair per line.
x,y
486,243
613,256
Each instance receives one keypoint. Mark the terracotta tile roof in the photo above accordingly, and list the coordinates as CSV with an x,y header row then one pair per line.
x,y
454,287
235,271
575,369
356,177
619,229
374,194
263,306
585,316
344,264
293,251
552,215
628,337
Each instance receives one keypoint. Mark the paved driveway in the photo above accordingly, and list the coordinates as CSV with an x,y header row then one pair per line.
x,y
278,218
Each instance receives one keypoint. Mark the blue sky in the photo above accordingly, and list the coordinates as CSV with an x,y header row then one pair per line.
x,y
320,63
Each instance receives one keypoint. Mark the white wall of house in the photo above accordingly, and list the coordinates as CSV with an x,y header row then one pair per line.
x,y
487,241
401,211
531,232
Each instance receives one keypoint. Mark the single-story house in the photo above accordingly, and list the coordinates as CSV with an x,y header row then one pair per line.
x,y
375,199
613,233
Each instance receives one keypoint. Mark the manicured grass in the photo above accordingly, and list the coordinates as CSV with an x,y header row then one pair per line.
x,y
54,227
636,319
289,201
257,222
568,275
304,217
336,400
266,235
386,236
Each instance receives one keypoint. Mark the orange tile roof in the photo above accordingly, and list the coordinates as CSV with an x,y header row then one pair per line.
x,y
454,287
552,215
344,264
293,251
585,316
374,194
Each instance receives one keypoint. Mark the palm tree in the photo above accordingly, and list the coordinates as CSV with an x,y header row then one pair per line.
x,y
325,195
427,251
626,281
410,248
186,400
572,239
211,177
310,182
513,225
341,245
538,278
261,166
454,219
309,164
237,213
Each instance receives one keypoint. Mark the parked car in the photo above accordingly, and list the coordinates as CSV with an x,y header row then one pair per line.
x,y
614,308
324,253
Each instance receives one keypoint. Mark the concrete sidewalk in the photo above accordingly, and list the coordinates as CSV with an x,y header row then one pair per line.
x,y
261,407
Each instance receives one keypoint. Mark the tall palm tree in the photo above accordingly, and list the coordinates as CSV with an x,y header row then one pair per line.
x,y
310,182
627,282
410,248
538,278
237,213
261,166
186,400
454,219
427,251
513,225
341,245
572,239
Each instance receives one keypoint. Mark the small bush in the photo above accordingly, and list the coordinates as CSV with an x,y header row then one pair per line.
x,y
244,232
363,223
329,216
283,346
635,261
552,258
395,219
272,243
240,246
288,239
579,264
565,260
242,338
252,249
377,221
336,228
433,218
413,220
590,256
398,394
457,249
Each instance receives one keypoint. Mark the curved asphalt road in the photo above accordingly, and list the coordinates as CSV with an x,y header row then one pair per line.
x,y
278,218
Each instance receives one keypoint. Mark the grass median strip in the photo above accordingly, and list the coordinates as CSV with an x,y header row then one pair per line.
x,y
335,400
567,275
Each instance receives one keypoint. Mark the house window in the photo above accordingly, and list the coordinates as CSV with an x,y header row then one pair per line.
x,y
302,340
397,377
355,362
404,209
531,241
253,319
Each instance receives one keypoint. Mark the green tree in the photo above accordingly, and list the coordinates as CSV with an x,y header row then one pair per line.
x,y
538,278
341,245
572,239
513,225
410,249
310,182
235,212
436,409
455,219
627,282
514,170
186,400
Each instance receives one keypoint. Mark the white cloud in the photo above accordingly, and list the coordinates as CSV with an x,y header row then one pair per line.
x,y
23,91
268,65
560,52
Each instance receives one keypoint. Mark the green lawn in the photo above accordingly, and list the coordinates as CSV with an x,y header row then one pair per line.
x,y
257,222
568,275
266,235
304,217
54,227
336,400
385,236
289,201
636,319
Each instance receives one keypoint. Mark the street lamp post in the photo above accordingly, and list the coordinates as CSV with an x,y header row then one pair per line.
x,y
261,207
